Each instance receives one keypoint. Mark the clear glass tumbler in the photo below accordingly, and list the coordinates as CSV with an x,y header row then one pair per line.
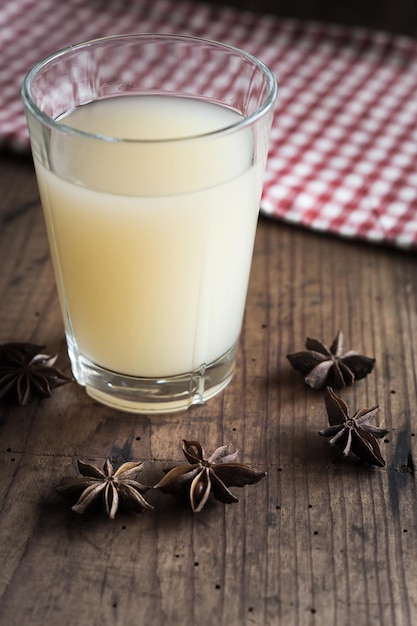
x,y
150,152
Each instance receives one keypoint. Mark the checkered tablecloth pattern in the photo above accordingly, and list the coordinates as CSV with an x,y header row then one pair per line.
x,y
343,155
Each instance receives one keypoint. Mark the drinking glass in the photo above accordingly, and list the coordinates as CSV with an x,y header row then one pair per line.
x,y
150,152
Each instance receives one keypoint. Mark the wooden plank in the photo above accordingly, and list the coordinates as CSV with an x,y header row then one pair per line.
x,y
316,542
396,16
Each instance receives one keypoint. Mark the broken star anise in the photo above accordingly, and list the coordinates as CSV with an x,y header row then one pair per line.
x,y
353,434
205,475
322,366
107,488
26,372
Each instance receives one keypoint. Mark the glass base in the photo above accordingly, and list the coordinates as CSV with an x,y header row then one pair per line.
x,y
170,394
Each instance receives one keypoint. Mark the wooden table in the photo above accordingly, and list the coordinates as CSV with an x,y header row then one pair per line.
x,y
316,542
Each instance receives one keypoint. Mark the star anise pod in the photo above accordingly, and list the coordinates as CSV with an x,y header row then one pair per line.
x,y
8,350
322,366
107,488
205,475
25,372
353,434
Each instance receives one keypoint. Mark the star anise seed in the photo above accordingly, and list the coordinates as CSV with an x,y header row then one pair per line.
x,y
108,488
25,372
322,366
205,475
353,434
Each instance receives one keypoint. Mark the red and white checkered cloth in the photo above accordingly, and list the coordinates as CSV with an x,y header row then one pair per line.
x,y
343,155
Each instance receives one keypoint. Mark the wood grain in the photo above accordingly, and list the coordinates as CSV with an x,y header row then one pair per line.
x,y
318,541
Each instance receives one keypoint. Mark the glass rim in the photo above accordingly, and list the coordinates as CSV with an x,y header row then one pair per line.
x,y
55,124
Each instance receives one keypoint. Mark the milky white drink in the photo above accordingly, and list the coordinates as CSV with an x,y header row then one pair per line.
x,y
152,241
